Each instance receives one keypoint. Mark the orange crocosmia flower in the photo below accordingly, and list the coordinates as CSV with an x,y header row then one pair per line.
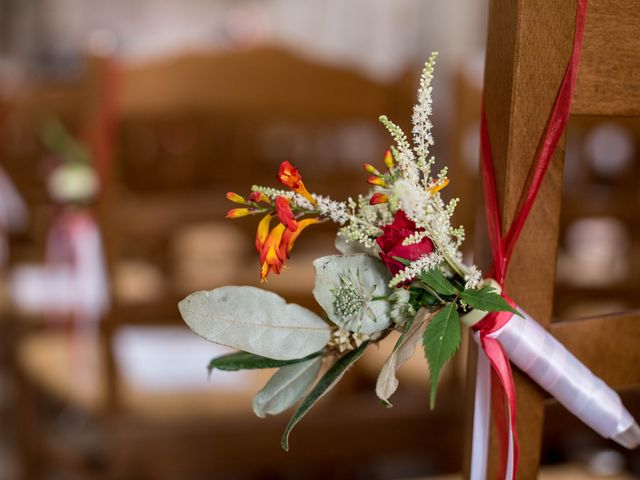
x,y
238,212
435,188
258,197
375,180
370,169
289,237
285,214
270,258
388,159
263,231
290,177
378,198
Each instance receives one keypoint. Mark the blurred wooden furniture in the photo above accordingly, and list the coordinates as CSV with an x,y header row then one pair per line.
x,y
528,48
192,128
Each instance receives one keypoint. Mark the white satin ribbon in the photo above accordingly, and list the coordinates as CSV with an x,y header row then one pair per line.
x,y
536,352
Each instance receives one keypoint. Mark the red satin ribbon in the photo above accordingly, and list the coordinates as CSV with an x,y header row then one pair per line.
x,y
502,247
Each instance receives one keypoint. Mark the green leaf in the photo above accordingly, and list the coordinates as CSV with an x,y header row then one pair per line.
x,y
403,261
405,331
435,279
441,340
286,387
486,299
324,385
255,321
387,382
250,361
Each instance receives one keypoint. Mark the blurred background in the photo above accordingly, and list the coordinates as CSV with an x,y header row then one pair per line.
x,y
122,126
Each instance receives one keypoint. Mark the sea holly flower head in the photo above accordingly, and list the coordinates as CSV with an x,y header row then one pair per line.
x,y
353,291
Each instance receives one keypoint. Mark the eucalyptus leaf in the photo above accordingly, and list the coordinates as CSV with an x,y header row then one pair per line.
x,y
487,299
435,279
324,385
250,361
405,347
255,321
441,340
286,387
353,291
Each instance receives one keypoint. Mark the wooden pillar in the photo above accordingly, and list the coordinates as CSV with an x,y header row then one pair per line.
x,y
528,47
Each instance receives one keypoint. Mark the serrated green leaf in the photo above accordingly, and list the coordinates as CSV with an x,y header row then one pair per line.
x,y
250,361
486,299
441,340
324,385
435,279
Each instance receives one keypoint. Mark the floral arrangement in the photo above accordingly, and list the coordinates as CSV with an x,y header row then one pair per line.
x,y
399,268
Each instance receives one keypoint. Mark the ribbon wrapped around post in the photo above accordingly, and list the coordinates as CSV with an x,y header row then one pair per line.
x,y
505,337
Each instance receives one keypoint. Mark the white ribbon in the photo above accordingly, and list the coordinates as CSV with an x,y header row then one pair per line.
x,y
536,352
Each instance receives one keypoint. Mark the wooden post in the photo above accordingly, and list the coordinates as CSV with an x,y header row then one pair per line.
x,y
529,44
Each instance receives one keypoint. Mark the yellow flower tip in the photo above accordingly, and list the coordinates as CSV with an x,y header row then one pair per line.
x,y
388,159
370,169
258,197
438,186
302,190
238,212
235,198
378,198
374,180
263,231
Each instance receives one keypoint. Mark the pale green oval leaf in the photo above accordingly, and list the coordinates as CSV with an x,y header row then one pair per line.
x,y
255,321
405,347
326,383
286,387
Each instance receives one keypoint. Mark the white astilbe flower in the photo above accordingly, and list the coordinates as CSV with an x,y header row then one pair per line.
x,y
336,211
422,137
411,197
407,184
404,154
411,271
473,277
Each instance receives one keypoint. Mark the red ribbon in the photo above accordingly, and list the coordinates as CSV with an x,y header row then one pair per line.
x,y
502,247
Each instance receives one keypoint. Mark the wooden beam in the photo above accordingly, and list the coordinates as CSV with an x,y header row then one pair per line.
x,y
607,344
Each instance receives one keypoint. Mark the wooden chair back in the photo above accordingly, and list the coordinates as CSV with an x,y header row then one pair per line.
x,y
195,126
528,47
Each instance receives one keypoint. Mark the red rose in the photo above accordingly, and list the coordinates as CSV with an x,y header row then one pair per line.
x,y
390,242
